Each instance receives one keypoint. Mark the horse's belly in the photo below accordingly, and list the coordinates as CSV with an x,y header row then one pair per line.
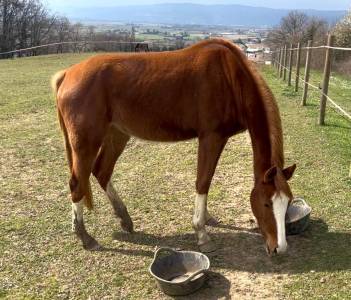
x,y
155,132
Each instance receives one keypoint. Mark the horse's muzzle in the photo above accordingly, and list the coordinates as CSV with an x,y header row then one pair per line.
x,y
276,250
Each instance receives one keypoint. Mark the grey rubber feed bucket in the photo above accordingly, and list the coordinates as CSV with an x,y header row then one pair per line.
x,y
179,273
297,216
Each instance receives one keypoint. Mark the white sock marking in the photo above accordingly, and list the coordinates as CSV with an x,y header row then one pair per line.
x,y
280,204
77,212
199,219
113,195
111,192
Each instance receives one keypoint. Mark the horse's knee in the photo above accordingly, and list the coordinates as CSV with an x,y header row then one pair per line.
x,y
77,192
101,172
73,183
102,178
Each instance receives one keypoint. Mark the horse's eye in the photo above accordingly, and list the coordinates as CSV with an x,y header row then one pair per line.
x,y
266,205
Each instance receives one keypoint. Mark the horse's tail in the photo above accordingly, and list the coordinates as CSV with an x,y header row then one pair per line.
x,y
56,82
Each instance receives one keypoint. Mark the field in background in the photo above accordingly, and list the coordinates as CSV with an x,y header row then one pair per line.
x,y
39,257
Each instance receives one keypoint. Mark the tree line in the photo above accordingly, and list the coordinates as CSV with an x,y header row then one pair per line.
x,y
299,27
28,23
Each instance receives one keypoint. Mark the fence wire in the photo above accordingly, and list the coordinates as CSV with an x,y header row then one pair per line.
x,y
72,43
316,47
331,101
337,107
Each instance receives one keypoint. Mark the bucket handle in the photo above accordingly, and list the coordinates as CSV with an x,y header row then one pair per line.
x,y
159,250
194,274
299,200
167,249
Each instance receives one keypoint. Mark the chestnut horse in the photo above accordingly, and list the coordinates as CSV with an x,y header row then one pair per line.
x,y
208,91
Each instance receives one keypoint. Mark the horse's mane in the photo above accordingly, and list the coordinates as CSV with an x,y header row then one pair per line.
x,y
269,102
273,118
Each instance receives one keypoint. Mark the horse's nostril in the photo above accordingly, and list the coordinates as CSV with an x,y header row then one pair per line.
x,y
275,251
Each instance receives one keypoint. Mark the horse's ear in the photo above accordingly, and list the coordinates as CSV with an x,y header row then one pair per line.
x,y
289,171
269,175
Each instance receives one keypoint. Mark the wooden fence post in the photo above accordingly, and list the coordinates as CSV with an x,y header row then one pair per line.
x,y
307,72
285,61
278,62
290,64
281,62
273,59
326,76
298,59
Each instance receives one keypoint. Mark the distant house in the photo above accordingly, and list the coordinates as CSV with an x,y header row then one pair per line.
x,y
254,50
241,44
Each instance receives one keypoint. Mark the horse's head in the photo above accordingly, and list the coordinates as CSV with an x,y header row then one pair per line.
x,y
269,200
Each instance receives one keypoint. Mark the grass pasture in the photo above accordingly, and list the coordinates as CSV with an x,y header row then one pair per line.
x,y
41,259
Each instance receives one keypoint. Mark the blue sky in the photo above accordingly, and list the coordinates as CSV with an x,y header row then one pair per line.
x,y
294,4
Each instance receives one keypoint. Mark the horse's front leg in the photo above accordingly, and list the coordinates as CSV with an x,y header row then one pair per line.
x,y
210,149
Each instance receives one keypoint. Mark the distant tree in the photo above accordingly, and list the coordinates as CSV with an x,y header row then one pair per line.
x,y
76,31
24,23
290,30
297,27
132,37
62,32
41,23
316,30
342,31
9,10
91,32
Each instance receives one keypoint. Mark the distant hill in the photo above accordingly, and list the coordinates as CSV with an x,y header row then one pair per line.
x,y
187,13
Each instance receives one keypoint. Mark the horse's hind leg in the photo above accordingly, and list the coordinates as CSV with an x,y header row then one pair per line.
x,y
210,149
112,147
81,194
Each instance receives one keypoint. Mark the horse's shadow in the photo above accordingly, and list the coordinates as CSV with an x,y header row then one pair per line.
x,y
216,287
241,249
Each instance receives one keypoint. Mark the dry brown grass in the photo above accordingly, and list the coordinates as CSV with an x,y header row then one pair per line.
x,y
39,257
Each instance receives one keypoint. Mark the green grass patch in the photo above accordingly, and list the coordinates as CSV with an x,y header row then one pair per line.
x,y
40,259
323,153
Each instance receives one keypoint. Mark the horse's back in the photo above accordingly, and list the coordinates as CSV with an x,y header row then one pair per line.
x,y
157,96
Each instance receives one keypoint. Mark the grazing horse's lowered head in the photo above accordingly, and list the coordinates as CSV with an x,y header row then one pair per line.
x,y
269,201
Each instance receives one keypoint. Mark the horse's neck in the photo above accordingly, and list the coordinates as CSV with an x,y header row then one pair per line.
x,y
264,126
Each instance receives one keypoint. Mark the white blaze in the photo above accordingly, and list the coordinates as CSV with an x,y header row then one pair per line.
x,y
280,204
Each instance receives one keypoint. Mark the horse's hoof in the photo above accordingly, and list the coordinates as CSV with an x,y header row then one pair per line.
x,y
92,245
127,224
212,222
208,247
